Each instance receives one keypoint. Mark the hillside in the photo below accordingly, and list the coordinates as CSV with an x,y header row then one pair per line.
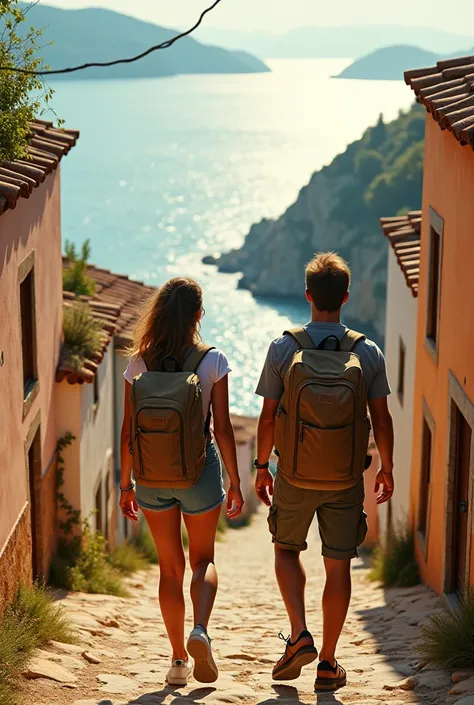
x,y
336,42
82,36
380,174
389,63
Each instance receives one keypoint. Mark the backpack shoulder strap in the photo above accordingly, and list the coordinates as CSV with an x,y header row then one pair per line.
x,y
195,358
302,337
350,340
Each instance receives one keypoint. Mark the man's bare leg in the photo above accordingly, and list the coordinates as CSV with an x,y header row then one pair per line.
x,y
292,582
336,600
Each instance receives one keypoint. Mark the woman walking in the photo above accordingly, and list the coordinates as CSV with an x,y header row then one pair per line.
x,y
167,443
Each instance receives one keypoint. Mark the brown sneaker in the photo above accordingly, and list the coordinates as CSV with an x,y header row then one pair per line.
x,y
301,653
330,678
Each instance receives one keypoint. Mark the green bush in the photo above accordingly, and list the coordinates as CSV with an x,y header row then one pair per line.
x,y
82,335
394,561
75,277
82,565
128,559
448,638
31,621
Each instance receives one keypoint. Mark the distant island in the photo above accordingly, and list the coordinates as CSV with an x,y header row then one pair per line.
x,y
389,63
380,174
336,41
83,36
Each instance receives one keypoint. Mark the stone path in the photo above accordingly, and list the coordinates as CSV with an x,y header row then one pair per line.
x,y
124,654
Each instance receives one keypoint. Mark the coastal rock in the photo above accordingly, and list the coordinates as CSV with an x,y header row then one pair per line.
x,y
459,676
338,209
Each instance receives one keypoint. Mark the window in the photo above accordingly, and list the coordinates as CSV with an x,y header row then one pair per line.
x,y
434,279
28,332
96,390
98,509
426,455
401,371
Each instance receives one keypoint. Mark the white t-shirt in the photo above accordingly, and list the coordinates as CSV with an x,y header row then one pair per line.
x,y
212,369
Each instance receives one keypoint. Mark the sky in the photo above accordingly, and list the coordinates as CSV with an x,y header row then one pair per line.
x,y
279,15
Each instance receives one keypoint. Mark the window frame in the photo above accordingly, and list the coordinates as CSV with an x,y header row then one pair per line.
x,y
30,385
436,225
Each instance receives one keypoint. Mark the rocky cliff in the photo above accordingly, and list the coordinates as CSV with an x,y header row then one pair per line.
x,y
380,174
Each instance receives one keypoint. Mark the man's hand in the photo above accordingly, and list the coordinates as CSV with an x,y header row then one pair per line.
x,y
384,485
264,486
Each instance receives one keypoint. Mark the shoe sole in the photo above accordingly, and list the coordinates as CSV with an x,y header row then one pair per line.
x,y
292,669
329,684
177,682
205,669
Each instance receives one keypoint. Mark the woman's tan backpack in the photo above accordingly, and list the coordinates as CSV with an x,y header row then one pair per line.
x,y
168,434
322,428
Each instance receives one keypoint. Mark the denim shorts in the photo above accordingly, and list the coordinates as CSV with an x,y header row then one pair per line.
x,y
207,494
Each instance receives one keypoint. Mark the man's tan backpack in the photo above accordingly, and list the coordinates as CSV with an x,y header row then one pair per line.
x,y
168,434
322,428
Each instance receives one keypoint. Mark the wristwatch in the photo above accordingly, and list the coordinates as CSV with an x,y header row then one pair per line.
x,y
261,466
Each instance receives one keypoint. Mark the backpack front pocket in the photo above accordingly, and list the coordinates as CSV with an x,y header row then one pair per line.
x,y
325,454
159,442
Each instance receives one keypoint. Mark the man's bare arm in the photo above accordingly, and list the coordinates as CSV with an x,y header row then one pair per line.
x,y
265,441
382,424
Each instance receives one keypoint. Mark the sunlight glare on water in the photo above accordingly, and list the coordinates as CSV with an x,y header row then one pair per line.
x,y
168,170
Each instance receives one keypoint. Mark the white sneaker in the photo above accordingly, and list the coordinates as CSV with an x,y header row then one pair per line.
x,y
179,673
199,647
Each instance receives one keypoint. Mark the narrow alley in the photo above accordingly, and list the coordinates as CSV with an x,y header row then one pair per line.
x,y
123,657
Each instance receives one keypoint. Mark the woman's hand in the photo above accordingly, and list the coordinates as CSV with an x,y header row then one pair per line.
x,y
128,505
235,502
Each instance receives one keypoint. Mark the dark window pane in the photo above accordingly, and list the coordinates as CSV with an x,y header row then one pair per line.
x,y
28,342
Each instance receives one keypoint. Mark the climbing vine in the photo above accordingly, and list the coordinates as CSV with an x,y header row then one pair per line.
x,y
69,517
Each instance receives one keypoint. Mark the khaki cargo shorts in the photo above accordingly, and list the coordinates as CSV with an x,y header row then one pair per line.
x,y
341,518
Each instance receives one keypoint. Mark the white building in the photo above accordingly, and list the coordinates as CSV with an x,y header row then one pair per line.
x,y
403,234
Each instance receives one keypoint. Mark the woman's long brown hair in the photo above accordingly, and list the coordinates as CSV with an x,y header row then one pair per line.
x,y
169,324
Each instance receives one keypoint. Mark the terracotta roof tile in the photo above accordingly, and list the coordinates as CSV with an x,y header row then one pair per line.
x,y
128,294
118,290
108,315
47,147
404,234
447,92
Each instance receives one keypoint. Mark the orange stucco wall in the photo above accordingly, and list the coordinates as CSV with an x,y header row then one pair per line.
x,y
449,189
33,226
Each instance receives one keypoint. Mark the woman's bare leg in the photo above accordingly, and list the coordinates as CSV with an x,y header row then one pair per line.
x,y
166,530
202,537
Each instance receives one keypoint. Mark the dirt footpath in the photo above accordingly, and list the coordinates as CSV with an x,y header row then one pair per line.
x,y
124,655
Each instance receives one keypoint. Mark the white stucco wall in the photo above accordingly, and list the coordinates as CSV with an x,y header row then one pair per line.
x,y
400,323
97,436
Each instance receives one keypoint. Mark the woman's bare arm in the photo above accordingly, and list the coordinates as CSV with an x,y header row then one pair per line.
x,y
223,430
128,503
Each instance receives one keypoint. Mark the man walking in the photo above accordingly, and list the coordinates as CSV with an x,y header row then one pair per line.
x,y
316,383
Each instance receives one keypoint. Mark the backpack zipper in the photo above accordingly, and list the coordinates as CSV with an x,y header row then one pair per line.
x,y
300,432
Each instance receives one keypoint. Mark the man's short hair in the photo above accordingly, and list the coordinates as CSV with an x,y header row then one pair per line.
x,y
328,278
